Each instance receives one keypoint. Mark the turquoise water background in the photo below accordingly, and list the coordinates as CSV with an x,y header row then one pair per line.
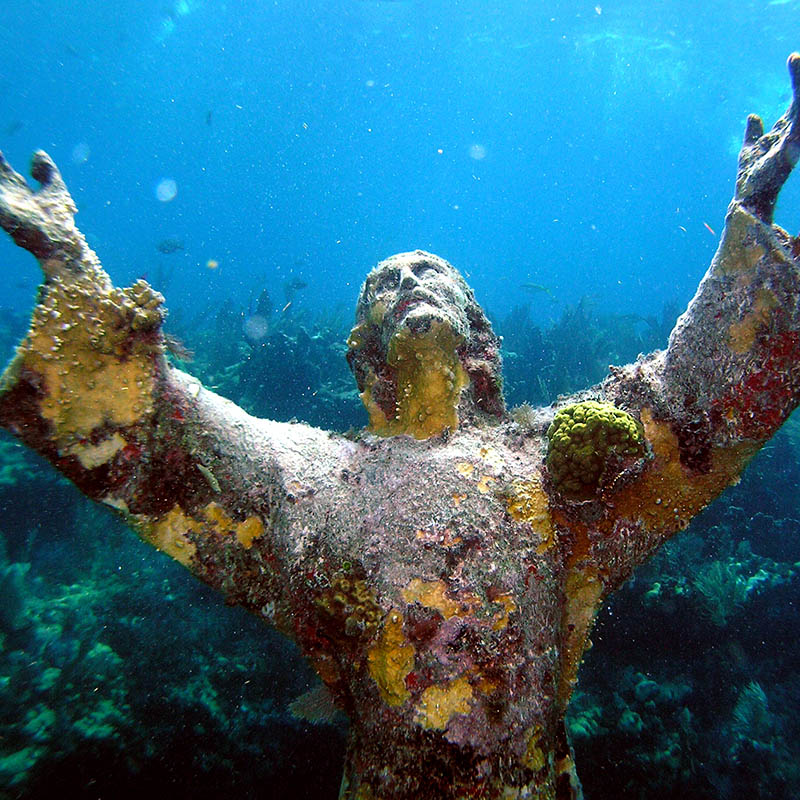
x,y
576,146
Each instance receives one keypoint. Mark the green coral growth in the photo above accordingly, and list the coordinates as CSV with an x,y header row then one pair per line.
x,y
584,439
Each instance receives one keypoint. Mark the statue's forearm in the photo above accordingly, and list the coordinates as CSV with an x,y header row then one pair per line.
x,y
728,379
90,389
730,375
732,368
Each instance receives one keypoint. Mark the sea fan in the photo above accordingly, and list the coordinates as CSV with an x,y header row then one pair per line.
x,y
751,721
721,589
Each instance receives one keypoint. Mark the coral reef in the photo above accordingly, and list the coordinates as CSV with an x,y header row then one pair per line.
x,y
74,697
574,352
243,367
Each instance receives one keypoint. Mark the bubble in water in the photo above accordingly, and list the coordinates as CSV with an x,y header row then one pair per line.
x,y
80,153
477,152
166,190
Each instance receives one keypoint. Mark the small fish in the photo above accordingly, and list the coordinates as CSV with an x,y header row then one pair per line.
x,y
292,287
209,117
211,479
316,706
709,229
172,244
533,288
286,307
15,126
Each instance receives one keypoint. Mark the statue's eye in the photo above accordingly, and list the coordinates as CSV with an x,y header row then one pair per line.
x,y
424,268
388,280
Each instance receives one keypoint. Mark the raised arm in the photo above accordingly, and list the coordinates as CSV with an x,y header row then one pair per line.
x,y
91,390
728,379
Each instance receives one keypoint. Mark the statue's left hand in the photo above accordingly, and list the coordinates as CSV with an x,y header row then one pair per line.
x,y
767,159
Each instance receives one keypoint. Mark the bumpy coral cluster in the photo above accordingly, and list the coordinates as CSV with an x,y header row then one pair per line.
x,y
350,607
584,440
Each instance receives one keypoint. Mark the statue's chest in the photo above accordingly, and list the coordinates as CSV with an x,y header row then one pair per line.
x,y
440,576
473,517
447,571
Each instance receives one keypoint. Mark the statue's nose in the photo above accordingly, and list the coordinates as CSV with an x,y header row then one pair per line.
x,y
408,280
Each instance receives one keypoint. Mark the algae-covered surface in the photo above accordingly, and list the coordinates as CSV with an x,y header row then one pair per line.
x,y
120,674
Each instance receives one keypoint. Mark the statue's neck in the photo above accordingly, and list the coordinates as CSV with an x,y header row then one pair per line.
x,y
428,379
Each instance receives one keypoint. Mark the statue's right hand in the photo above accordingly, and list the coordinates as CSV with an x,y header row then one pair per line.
x,y
42,220
89,362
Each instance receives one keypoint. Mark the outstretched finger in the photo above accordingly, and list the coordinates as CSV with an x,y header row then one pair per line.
x,y
754,130
44,170
9,175
794,71
793,139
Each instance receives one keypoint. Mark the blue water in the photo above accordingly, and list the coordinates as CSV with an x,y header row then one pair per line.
x,y
584,148
575,146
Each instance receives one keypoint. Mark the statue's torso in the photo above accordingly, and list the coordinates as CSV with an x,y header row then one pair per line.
x,y
428,592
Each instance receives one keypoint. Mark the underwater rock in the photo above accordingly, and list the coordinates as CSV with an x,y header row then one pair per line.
x,y
13,591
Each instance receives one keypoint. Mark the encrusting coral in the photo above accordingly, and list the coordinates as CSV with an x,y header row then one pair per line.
x,y
587,440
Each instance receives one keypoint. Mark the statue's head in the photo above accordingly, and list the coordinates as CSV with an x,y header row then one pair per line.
x,y
422,351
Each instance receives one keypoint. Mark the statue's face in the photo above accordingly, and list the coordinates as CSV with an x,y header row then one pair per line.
x,y
412,290
419,341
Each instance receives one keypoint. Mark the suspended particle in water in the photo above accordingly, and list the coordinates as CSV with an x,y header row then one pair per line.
x,y
256,327
166,190
80,153
477,152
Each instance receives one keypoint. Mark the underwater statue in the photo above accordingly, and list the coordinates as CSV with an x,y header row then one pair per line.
x,y
442,569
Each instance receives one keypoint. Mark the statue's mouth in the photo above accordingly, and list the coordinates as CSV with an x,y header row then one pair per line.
x,y
402,308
